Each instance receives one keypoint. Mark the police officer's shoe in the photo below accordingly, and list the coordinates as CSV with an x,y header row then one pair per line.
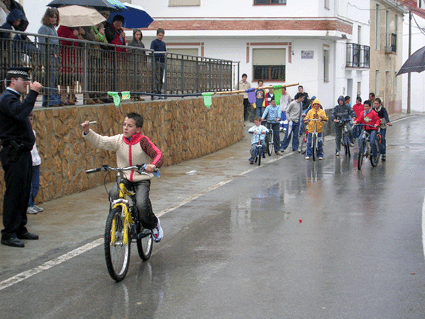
x,y
28,236
14,242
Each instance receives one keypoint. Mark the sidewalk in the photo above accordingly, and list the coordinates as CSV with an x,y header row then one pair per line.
x,y
74,220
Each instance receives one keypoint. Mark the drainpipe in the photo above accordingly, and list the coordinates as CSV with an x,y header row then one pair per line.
x,y
409,75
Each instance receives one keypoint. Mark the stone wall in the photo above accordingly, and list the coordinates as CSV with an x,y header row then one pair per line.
x,y
183,129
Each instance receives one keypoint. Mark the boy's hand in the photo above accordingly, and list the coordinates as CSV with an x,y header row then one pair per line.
x,y
85,127
336,121
150,168
389,124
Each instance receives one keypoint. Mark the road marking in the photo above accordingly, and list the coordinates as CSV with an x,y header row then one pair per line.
x,y
423,227
49,264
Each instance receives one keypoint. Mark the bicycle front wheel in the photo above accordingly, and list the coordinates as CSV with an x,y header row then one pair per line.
x,y
144,243
117,244
347,145
269,144
361,155
314,146
302,143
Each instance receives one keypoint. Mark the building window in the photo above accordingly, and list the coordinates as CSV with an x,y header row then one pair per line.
x,y
327,4
269,1
359,89
269,64
377,23
420,3
184,3
326,65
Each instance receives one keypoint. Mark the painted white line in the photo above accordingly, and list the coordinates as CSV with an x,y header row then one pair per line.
x,y
423,227
49,264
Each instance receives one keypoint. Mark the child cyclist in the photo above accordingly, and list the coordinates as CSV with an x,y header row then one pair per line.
x,y
369,117
133,148
259,135
385,120
272,113
315,113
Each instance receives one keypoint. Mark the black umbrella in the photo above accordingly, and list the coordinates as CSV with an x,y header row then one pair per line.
x,y
416,62
98,4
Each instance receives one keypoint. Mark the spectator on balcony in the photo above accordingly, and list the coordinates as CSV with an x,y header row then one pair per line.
x,y
70,62
115,33
159,46
50,55
138,60
6,7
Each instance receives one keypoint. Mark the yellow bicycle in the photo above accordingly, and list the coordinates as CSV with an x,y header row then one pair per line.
x,y
123,225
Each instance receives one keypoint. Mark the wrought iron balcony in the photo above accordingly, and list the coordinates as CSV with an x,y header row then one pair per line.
x,y
358,56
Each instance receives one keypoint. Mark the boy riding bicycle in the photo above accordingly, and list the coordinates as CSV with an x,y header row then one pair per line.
x,y
315,113
370,117
133,148
259,135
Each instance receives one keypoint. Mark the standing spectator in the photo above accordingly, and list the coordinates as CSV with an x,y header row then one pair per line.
x,y
50,52
158,45
7,6
259,99
306,102
35,180
70,63
348,100
342,112
385,120
372,97
17,140
293,115
137,60
269,97
244,85
285,99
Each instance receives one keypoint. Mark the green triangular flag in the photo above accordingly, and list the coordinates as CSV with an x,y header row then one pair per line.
x,y
125,95
207,99
116,97
277,93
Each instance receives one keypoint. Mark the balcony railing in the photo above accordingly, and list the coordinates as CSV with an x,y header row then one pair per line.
x,y
92,67
358,56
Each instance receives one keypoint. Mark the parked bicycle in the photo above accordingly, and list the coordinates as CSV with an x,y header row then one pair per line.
x,y
123,226
302,137
365,149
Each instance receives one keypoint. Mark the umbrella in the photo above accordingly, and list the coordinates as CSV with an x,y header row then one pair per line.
x,y
77,16
98,4
134,16
416,62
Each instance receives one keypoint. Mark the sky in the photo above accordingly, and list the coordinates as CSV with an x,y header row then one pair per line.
x,y
34,10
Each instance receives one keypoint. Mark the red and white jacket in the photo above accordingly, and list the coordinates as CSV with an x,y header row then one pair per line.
x,y
140,150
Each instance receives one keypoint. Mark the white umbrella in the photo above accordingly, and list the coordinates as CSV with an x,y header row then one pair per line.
x,y
78,16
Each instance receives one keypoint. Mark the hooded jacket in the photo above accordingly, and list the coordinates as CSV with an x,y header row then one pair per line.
x,y
342,112
13,16
315,114
134,42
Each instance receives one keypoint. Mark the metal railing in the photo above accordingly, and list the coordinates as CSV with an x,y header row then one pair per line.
x,y
94,68
358,56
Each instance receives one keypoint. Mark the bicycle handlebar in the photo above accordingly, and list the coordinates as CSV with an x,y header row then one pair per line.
x,y
105,167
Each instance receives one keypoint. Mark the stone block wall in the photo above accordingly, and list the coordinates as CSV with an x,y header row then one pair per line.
x,y
183,129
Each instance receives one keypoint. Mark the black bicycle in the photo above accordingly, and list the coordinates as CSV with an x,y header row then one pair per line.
x,y
365,149
346,136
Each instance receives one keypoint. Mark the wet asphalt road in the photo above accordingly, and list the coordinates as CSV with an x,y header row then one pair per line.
x,y
290,239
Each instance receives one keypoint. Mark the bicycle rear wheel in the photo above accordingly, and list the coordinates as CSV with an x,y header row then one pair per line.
x,y
347,145
144,242
117,245
361,154
313,146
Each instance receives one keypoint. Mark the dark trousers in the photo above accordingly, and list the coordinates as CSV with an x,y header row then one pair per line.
x,y
159,76
246,106
143,203
17,176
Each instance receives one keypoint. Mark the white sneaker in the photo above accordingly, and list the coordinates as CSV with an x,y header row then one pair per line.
x,y
31,210
307,158
337,154
38,209
157,232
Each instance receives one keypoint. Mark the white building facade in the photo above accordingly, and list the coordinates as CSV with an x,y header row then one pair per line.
x,y
321,44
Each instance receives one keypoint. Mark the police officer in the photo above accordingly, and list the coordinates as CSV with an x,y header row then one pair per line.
x,y
17,140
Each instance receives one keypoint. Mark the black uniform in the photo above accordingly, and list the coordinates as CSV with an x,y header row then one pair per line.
x,y
17,139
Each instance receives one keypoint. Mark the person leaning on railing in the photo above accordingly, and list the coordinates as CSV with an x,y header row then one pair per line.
x,y
50,52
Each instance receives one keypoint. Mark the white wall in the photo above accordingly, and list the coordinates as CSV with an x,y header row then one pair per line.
x,y
417,79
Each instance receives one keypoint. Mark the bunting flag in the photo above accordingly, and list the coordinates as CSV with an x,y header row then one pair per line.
x,y
277,93
207,99
125,95
251,95
116,97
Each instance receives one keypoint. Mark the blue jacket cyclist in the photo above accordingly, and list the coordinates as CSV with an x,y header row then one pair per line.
x,y
272,113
